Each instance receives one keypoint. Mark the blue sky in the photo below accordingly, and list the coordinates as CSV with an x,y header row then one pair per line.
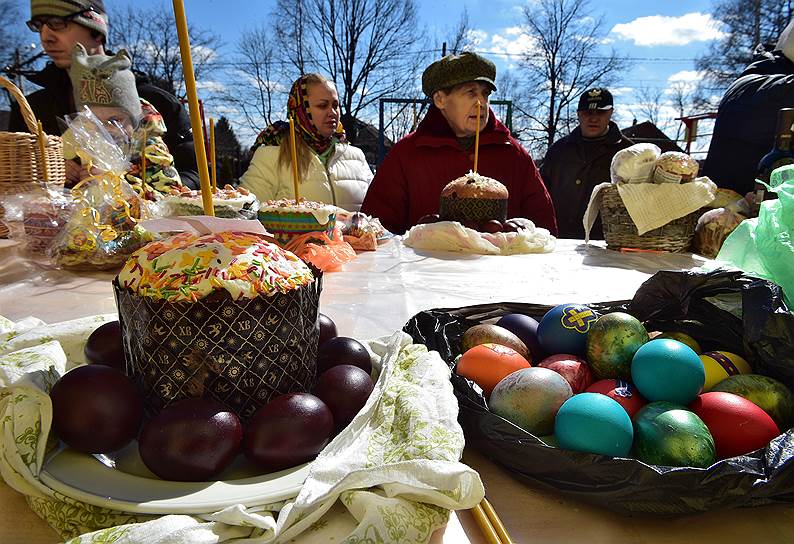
x,y
664,37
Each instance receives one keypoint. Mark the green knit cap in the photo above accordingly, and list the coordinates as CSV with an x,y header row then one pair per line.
x,y
102,80
456,69
93,15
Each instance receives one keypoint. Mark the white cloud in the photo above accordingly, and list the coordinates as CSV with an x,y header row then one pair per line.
x,y
211,86
621,91
512,42
686,76
476,37
685,80
662,30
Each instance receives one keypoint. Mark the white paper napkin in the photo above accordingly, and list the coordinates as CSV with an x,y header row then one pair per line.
x,y
452,236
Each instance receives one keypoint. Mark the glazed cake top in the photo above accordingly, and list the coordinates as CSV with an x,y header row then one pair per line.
x,y
473,185
189,267
227,196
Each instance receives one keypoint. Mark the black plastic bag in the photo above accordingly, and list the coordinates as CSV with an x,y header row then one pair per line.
x,y
722,310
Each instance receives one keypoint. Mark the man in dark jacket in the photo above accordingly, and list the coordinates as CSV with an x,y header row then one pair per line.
x,y
745,127
408,184
63,23
579,161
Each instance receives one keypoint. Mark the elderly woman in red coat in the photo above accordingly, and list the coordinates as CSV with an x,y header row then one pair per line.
x,y
408,183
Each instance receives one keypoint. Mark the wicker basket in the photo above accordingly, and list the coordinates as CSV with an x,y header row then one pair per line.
x,y
20,158
621,232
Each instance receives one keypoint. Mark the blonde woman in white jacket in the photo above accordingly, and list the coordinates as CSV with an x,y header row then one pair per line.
x,y
331,170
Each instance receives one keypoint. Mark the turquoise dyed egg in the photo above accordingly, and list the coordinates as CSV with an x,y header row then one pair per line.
x,y
666,369
594,423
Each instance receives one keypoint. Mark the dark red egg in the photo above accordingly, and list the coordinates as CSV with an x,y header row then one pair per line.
x,y
429,218
514,224
342,350
345,389
191,440
104,346
471,224
493,226
96,409
327,328
289,430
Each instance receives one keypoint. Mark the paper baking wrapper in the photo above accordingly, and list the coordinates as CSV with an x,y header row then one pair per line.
x,y
242,353
188,208
473,209
285,226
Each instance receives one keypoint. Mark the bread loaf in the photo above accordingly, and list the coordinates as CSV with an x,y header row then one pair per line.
x,y
634,164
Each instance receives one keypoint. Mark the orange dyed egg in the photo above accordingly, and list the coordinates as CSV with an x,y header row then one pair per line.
x,y
487,364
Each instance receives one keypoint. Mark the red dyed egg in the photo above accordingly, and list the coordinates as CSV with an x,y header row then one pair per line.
x,y
737,425
622,391
574,369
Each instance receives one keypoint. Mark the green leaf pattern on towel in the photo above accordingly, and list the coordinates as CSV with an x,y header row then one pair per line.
x,y
403,433
71,518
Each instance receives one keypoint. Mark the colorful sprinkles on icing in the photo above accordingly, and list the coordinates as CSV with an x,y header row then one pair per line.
x,y
188,267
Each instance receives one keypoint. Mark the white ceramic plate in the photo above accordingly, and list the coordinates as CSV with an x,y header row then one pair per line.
x,y
123,483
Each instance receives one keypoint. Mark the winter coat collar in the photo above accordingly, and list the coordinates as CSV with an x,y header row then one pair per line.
x,y
50,76
434,131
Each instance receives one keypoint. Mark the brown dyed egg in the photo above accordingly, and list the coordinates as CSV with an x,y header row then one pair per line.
x,y
96,409
104,346
327,328
492,334
493,226
191,440
344,389
342,350
287,431
429,218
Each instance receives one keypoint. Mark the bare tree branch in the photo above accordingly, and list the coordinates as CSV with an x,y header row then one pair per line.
x,y
150,37
255,91
361,45
649,103
747,24
565,60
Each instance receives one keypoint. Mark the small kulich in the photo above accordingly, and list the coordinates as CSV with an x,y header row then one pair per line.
x,y
473,198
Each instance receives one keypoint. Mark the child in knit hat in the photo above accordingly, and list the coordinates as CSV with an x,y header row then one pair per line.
x,y
105,85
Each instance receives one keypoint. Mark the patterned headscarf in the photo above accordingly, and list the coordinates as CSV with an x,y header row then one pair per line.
x,y
298,108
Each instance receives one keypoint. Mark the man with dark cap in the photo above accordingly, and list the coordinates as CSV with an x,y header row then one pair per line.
x,y
408,184
579,161
63,23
